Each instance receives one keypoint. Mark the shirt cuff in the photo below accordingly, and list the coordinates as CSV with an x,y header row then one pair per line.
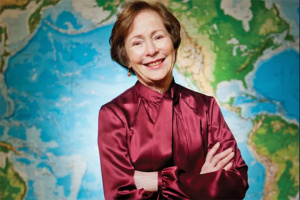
x,y
159,178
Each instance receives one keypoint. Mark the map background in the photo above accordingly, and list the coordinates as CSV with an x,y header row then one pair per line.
x,y
57,77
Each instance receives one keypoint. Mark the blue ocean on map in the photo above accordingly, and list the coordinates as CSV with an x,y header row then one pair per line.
x,y
282,83
68,90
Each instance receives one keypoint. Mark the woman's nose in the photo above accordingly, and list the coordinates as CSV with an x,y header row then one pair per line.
x,y
151,48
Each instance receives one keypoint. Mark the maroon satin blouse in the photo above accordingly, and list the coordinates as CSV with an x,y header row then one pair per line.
x,y
171,133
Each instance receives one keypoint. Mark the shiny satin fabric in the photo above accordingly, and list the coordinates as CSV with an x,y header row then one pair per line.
x,y
171,133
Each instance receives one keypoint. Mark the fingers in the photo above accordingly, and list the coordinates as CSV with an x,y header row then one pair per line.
x,y
228,166
216,162
222,163
212,152
217,158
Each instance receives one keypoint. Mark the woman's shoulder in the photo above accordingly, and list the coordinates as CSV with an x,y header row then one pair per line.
x,y
196,100
124,105
188,94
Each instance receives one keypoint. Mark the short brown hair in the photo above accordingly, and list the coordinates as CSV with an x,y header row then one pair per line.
x,y
124,21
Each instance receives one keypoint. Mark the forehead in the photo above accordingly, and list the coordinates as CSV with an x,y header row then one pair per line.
x,y
146,20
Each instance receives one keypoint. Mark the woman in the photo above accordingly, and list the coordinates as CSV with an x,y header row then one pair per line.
x,y
158,139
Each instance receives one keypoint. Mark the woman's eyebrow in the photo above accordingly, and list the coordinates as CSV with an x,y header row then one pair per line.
x,y
139,36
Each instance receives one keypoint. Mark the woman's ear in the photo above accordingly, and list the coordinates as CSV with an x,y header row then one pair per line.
x,y
175,55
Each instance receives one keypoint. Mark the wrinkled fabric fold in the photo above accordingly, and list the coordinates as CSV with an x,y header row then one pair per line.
x,y
169,133
162,151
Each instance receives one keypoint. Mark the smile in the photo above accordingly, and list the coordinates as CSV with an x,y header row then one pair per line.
x,y
155,63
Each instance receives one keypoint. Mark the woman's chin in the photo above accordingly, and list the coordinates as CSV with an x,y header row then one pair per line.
x,y
159,80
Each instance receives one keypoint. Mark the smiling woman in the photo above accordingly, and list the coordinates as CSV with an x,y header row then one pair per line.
x,y
158,139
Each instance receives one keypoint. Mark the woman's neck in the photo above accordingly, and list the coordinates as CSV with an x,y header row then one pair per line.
x,y
160,87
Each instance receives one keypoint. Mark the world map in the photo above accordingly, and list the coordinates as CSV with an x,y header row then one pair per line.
x,y
56,73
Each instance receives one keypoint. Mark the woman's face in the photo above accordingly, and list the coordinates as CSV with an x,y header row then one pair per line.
x,y
150,50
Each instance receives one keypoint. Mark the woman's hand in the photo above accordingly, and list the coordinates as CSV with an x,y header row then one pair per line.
x,y
146,180
216,162
149,180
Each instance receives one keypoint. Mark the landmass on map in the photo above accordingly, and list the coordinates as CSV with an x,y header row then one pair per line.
x,y
231,50
34,10
275,143
12,185
5,4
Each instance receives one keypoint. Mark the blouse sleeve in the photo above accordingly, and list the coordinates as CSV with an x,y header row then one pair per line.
x,y
117,170
231,184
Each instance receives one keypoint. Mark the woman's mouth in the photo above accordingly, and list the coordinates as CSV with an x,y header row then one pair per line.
x,y
154,63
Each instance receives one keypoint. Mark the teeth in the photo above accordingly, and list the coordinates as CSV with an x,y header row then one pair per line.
x,y
155,63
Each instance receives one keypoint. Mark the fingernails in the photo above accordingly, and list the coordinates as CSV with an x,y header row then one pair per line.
x,y
217,145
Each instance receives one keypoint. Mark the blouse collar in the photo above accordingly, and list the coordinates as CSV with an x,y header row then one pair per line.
x,y
153,95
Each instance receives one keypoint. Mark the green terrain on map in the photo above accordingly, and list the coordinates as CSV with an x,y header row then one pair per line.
x,y
210,20
12,186
279,141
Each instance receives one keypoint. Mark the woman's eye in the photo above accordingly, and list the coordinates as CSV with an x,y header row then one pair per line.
x,y
136,43
158,37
